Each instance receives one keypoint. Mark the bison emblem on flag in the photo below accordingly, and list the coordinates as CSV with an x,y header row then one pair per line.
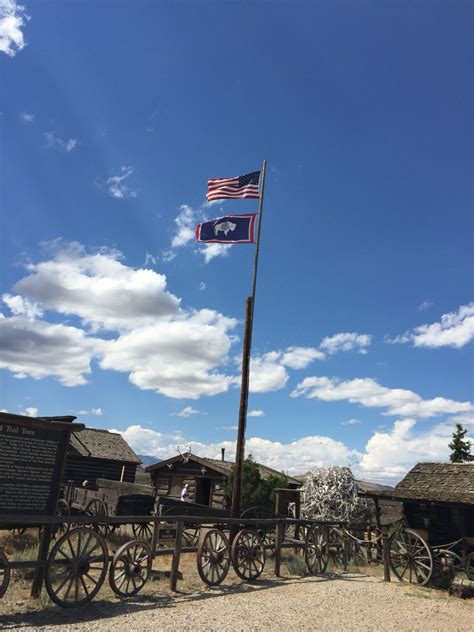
x,y
231,229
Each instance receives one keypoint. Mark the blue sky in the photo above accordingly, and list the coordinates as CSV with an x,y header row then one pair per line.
x,y
113,116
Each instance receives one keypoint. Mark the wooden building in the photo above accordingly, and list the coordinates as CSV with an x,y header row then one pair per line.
x,y
438,500
94,454
206,478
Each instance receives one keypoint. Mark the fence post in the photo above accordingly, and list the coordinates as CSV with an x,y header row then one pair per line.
x,y
386,554
176,556
278,539
155,537
345,550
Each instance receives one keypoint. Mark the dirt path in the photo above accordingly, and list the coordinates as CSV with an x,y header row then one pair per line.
x,y
345,602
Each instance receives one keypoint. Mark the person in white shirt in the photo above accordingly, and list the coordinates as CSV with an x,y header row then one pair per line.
x,y
185,493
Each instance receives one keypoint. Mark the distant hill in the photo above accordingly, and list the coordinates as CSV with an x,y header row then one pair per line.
x,y
148,460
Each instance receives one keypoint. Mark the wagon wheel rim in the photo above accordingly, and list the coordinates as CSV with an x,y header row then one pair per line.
x,y
213,557
4,574
97,508
248,555
316,553
142,531
411,559
131,568
76,567
469,566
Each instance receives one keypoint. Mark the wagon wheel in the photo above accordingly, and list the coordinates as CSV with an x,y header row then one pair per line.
x,y
4,574
248,555
213,557
316,553
469,566
142,530
76,567
443,569
190,535
410,557
266,532
130,568
335,542
96,508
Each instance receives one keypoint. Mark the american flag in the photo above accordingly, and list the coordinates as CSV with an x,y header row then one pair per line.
x,y
241,187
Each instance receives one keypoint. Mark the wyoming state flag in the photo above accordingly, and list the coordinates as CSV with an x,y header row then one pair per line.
x,y
230,229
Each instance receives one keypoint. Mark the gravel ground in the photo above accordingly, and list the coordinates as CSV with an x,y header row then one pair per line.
x,y
344,602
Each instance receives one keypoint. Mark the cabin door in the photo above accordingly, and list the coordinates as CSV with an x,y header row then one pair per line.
x,y
203,491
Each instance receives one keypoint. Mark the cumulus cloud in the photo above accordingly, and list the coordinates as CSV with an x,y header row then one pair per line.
x,y
300,357
176,358
55,142
185,227
38,349
12,19
368,393
295,457
266,373
20,306
98,288
389,455
256,413
346,342
119,186
425,305
187,411
456,329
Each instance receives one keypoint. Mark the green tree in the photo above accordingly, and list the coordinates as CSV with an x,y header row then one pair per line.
x,y
256,492
460,447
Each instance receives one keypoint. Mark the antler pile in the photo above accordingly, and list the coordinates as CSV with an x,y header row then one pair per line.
x,y
330,493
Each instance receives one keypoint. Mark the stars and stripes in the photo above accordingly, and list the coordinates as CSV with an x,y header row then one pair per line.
x,y
232,188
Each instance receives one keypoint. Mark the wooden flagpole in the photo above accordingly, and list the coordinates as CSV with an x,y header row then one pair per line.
x,y
244,389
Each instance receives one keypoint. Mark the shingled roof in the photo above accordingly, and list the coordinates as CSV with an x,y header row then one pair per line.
x,y
442,482
102,444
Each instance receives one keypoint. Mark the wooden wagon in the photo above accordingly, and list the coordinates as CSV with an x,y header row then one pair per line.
x,y
435,540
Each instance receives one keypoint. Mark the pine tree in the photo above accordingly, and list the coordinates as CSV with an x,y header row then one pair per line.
x,y
460,447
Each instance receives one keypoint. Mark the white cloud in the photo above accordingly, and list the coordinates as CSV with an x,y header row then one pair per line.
x,y
425,305
99,289
346,342
211,251
295,457
256,413
185,227
20,306
301,357
38,349
389,455
456,329
55,142
187,411
96,412
185,233
176,358
367,392
12,19
351,422
266,373
202,286
118,186
150,260
31,411
27,117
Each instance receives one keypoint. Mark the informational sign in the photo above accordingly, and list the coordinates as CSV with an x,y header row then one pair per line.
x,y
32,456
